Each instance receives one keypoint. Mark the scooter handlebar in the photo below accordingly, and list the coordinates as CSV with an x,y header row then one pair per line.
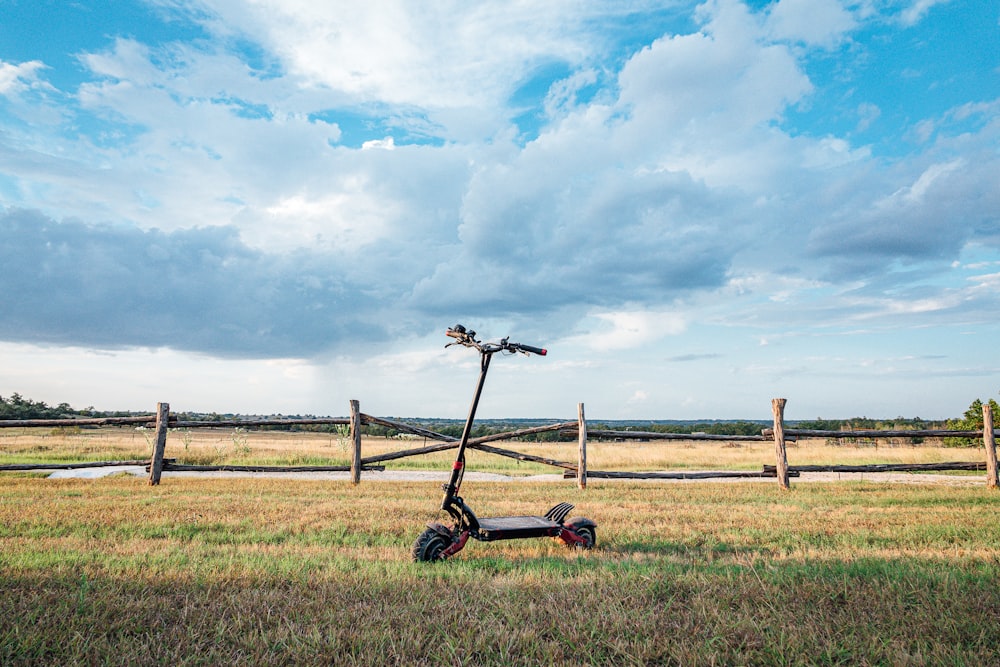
x,y
467,337
540,351
462,335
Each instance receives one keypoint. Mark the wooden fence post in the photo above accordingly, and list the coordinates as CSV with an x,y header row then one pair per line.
x,y
159,443
581,471
778,410
356,438
989,439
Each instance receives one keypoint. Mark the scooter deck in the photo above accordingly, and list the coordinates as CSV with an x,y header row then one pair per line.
x,y
515,527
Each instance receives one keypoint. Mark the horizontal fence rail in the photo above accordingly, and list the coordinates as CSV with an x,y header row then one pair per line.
x,y
708,474
885,467
654,435
178,467
86,421
768,433
256,423
173,422
162,421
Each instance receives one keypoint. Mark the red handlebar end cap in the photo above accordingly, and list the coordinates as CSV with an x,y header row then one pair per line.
x,y
543,352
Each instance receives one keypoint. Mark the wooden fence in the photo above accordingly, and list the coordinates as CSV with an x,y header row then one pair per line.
x,y
161,421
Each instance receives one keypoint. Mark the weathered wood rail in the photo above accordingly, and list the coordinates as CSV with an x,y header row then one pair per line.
x,y
162,421
86,421
178,467
969,466
768,433
705,474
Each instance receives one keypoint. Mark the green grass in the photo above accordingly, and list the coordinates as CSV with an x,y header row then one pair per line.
x,y
270,571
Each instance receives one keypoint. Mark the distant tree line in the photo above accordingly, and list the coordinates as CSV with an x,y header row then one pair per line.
x,y
18,407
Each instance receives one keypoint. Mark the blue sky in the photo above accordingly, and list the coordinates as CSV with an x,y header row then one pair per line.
x,y
278,206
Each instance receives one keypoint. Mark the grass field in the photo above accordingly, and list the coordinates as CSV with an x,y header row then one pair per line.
x,y
272,571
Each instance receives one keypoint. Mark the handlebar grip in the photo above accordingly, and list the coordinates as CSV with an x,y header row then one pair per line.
x,y
540,351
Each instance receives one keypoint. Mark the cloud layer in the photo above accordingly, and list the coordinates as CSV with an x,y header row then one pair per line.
x,y
303,177
198,289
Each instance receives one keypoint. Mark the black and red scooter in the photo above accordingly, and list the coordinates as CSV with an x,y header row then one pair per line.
x,y
439,541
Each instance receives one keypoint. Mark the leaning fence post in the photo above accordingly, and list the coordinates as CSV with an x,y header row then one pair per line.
x,y
356,438
159,443
778,410
581,470
990,441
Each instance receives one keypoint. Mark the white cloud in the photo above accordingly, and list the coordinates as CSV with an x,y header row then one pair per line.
x,y
725,76
84,377
15,78
561,97
706,102
917,10
626,329
344,222
128,61
440,55
387,144
867,113
915,194
820,22
638,397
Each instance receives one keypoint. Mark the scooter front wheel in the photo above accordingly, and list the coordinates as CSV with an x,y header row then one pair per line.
x,y
589,535
583,528
429,546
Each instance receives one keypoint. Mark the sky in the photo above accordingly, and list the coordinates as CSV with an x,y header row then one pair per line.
x,y
277,206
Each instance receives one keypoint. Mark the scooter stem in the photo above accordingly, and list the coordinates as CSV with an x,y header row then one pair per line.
x,y
456,472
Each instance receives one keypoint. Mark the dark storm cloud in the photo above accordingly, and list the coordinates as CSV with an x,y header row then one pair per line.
x,y
946,206
533,243
196,289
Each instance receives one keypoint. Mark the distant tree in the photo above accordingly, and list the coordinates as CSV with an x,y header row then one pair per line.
x,y
18,407
820,424
726,428
862,423
972,420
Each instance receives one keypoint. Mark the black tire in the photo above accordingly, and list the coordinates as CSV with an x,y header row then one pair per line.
x,y
429,546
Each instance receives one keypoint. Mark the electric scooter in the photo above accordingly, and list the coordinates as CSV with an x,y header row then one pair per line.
x,y
438,541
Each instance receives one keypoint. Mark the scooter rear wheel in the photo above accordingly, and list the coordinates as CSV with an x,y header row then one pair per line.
x,y
429,546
